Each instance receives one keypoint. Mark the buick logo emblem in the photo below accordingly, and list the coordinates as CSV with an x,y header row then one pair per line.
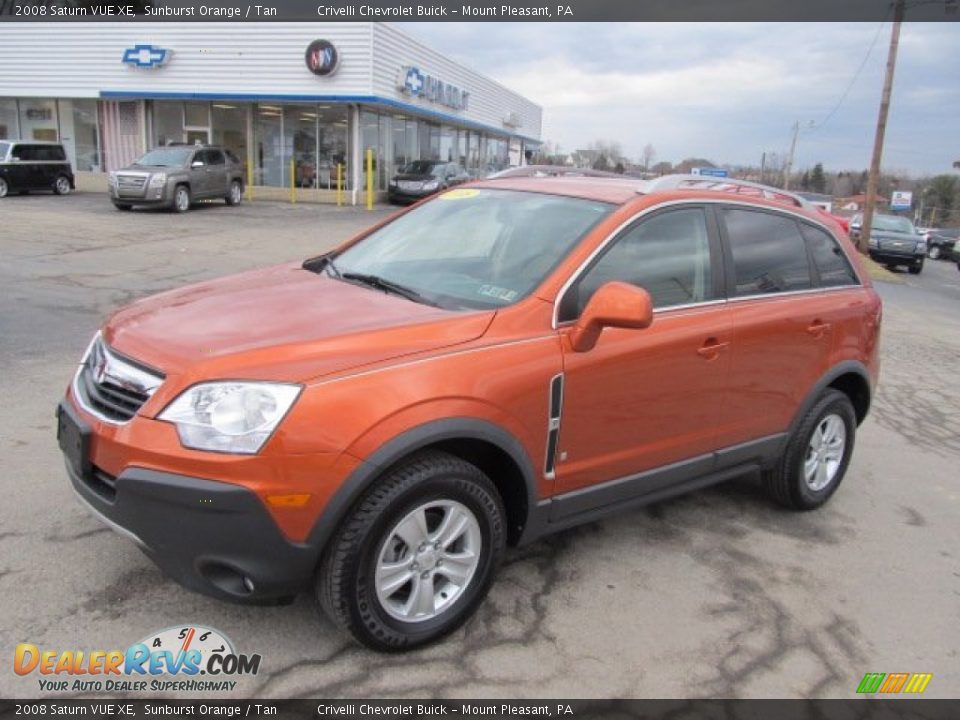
x,y
322,58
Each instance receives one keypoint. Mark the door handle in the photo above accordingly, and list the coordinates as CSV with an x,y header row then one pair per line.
x,y
711,348
817,328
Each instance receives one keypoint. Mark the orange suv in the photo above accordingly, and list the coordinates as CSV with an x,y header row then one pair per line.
x,y
504,360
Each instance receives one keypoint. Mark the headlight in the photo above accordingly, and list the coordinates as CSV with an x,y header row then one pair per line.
x,y
158,180
112,178
432,185
231,417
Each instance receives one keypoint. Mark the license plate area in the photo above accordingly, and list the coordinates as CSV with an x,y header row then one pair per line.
x,y
73,436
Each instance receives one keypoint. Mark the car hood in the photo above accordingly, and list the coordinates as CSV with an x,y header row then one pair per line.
x,y
894,235
152,168
281,323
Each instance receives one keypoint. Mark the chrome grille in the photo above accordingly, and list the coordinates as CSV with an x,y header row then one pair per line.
x,y
131,185
111,387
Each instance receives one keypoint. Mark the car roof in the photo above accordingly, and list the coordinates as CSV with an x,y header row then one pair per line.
x,y
30,142
620,190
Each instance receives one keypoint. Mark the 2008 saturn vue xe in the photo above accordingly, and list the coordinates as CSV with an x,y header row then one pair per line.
x,y
506,359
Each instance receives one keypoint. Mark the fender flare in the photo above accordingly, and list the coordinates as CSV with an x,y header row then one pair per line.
x,y
843,368
408,442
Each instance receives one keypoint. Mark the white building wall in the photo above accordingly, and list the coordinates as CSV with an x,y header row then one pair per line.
x,y
81,60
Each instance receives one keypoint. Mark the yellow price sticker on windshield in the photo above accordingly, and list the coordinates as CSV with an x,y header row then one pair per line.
x,y
460,194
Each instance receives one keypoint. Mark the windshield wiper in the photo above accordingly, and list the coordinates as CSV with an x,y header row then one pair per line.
x,y
375,281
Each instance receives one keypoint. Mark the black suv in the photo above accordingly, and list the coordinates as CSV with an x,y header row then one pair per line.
x,y
27,165
893,241
173,176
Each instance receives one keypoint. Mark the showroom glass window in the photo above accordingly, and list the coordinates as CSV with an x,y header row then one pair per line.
x,y
229,128
167,123
38,120
79,134
268,146
332,145
668,255
9,125
300,143
769,254
369,139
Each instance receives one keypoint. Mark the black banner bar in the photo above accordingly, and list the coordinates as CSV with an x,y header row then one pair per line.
x,y
473,10
857,709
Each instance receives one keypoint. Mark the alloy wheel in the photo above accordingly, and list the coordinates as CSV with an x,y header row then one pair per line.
x,y
427,560
825,452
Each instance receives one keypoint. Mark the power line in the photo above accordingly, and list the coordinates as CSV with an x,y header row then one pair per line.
x,y
856,75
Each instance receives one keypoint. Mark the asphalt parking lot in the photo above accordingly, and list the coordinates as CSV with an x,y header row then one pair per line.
x,y
718,593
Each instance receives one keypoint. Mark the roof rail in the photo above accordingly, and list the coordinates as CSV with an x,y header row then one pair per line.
x,y
723,184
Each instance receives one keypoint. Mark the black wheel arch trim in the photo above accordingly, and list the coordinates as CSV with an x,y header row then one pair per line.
x,y
845,367
404,445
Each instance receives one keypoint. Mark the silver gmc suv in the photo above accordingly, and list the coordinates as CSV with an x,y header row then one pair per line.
x,y
174,176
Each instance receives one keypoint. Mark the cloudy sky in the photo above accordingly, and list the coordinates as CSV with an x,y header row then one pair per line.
x,y
727,91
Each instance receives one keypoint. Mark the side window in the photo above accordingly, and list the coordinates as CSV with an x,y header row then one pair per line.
x,y
57,153
215,157
832,265
668,255
199,156
769,254
26,153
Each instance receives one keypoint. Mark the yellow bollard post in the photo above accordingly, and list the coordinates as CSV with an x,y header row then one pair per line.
x,y
369,178
339,184
293,183
249,182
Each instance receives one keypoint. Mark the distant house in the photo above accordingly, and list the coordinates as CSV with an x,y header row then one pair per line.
x,y
819,199
855,203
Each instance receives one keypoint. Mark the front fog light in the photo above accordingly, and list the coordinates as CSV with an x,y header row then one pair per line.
x,y
231,417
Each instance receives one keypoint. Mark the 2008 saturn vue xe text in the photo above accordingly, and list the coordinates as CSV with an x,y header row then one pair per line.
x,y
506,359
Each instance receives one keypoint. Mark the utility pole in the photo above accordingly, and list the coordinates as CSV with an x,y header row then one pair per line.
x,y
763,167
793,148
873,179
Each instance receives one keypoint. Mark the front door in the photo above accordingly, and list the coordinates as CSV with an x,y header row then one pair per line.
x,y
644,399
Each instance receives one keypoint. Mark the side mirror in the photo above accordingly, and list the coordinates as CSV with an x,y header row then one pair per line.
x,y
615,304
197,164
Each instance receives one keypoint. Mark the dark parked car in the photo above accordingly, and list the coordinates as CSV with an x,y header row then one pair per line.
x,y
32,165
421,178
174,176
893,241
942,243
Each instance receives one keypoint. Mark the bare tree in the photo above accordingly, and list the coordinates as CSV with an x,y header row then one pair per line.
x,y
649,155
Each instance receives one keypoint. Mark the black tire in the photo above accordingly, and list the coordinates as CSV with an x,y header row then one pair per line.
x,y
345,583
61,186
917,267
122,206
234,193
177,205
785,482
892,267
4,188
934,252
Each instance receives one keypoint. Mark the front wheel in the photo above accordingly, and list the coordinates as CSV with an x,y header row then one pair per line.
x,y
181,199
817,454
122,206
61,186
917,267
4,188
235,195
417,555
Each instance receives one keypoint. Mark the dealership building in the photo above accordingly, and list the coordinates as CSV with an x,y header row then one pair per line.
x,y
291,100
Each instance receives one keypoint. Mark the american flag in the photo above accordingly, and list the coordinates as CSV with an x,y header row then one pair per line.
x,y
122,136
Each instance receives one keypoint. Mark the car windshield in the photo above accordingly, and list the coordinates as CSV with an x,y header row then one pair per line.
x,y
891,223
4,148
166,157
474,248
422,167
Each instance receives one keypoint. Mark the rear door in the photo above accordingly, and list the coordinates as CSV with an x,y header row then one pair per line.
x,y
782,323
23,168
216,172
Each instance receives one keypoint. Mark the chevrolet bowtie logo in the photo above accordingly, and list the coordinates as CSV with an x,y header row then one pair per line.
x,y
146,56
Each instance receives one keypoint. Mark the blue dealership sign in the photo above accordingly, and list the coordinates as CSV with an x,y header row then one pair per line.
x,y
146,56
710,172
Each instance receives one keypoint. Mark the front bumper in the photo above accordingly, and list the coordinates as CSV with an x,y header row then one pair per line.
x,y
148,196
408,196
213,537
893,257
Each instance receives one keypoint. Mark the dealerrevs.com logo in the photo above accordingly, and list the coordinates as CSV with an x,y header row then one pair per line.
x,y
178,659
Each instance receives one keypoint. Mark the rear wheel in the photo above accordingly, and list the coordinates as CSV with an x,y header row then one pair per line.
x,y
181,199
235,194
415,558
122,206
817,454
61,186
4,188
934,252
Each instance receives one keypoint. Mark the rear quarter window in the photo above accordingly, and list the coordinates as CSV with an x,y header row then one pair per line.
x,y
831,262
769,253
